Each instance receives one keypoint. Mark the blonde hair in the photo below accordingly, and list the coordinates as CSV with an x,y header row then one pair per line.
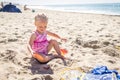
x,y
41,17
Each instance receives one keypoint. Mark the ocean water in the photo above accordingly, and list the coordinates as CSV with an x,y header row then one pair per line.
x,y
103,8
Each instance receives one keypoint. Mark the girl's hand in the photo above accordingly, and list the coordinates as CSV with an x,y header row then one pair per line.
x,y
63,39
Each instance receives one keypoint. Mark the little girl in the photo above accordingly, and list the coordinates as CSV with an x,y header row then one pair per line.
x,y
39,46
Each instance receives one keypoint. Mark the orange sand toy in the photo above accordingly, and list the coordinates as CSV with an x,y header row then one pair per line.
x,y
63,51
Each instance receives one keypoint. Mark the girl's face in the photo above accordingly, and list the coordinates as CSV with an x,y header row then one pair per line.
x,y
40,26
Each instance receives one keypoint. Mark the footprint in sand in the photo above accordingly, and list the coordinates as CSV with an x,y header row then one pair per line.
x,y
4,76
9,56
12,40
111,52
36,79
103,24
106,43
89,21
111,61
118,22
3,41
48,77
78,41
89,44
92,44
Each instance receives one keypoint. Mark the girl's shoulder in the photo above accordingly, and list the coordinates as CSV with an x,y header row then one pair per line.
x,y
33,34
47,32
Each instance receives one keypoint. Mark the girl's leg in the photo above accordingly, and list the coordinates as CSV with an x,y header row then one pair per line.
x,y
54,43
42,58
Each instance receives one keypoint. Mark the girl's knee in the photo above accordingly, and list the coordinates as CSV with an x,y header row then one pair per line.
x,y
39,57
53,41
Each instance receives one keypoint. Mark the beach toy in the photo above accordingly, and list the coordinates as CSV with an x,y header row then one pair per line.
x,y
63,51
117,47
72,74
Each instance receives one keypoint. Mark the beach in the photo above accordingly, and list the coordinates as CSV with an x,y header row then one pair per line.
x,y
92,40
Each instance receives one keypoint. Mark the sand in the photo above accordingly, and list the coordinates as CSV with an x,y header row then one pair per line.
x,y
91,41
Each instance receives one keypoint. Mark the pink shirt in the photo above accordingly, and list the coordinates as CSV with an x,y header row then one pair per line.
x,y
40,43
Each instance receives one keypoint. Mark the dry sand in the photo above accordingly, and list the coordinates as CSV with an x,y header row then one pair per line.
x,y
91,42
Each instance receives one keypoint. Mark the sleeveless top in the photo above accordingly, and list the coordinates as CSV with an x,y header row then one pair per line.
x,y
40,43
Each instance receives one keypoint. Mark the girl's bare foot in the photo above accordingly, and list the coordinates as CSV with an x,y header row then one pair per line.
x,y
57,56
62,57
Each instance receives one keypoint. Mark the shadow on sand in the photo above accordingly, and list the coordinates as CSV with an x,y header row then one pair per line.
x,y
37,68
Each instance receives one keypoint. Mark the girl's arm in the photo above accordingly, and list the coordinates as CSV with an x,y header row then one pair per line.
x,y
55,35
31,41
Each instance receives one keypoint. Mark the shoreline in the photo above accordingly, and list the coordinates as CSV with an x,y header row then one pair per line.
x,y
44,10
109,14
92,11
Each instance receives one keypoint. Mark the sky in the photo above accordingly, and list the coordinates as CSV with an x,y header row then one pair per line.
x,y
44,2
